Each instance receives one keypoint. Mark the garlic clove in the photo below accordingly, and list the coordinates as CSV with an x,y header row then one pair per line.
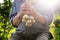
x,y
34,21
29,23
25,17
31,17
24,20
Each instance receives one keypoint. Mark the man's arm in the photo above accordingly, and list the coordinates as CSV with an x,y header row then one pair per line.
x,y
39,18
44,19
16,20
14,16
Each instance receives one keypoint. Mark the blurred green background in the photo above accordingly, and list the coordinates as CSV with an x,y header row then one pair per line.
x,y
6,28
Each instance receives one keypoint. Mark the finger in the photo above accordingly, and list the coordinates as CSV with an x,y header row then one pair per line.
x,y
25,5
26,12
25,9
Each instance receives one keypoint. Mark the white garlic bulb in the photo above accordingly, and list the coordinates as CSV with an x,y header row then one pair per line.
x,y
28,23
24,20
28,20
32,19
25,17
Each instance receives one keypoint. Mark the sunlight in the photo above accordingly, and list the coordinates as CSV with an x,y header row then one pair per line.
x,y
1,1
49,3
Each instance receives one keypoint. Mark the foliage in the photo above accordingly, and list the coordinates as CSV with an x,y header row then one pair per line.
x,y
57,23
57,27
57,20
5,27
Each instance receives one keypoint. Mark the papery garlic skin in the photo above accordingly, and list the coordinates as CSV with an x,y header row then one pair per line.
x,y
34,21
31,17
25,17
29,23
24,20
28,20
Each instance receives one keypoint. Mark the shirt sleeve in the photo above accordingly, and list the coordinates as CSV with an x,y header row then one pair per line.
x,y
16,6
13,13
48,16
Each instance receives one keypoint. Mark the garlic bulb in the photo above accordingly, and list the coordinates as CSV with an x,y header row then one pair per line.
x,y
25,18
28,20
29,23
32,19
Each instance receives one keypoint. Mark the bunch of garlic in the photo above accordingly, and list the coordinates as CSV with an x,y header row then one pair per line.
x,y
28,20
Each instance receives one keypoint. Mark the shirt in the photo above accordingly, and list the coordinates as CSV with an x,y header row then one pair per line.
x,y
37,27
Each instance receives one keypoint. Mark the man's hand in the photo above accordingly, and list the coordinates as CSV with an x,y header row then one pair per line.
x,y
30,10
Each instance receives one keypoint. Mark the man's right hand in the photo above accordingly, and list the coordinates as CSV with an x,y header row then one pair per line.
x,y
16,20
20,14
